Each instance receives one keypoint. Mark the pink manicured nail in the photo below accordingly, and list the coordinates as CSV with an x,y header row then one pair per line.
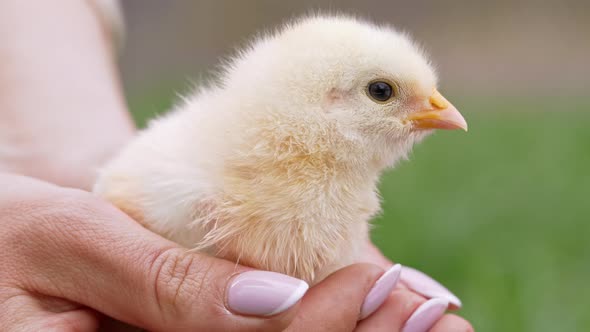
x,y
380,291
426,315
262,293
425,285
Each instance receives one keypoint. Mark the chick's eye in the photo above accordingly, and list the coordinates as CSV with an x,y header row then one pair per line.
x,y
380,91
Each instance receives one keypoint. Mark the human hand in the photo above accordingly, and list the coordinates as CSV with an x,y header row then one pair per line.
x,y
67,256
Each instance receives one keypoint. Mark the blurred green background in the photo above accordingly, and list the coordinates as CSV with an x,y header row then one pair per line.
x,y
500,214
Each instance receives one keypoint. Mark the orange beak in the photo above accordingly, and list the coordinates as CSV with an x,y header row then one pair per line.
x,y
440,115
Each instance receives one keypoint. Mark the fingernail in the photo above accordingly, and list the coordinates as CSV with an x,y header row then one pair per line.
x,y
380,291
426,315
263,293
425,285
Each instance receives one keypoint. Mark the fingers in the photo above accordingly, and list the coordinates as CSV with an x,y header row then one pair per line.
x,y
335,303
424,285
407,311
68,245
381,320
426,315
91,253
413,279
394,313
418,315
380,291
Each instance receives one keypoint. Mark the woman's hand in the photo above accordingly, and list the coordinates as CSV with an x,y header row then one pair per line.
x,y
66,256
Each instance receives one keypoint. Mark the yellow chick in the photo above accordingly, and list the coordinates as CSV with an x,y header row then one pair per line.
x,y
276,164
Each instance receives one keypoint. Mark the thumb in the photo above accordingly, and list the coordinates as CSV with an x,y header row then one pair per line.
x,y
184,290
89,252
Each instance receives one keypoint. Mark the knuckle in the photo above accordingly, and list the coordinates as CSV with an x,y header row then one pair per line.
x,y
180,282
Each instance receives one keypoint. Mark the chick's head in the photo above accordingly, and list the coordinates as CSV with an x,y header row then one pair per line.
x,y
373,83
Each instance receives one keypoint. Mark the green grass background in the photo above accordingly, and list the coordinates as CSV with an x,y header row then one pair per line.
x,y
500,215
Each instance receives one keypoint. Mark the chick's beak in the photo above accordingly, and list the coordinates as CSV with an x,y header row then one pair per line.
x,y
440,115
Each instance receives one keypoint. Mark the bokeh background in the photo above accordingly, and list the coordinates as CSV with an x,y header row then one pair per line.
x,y
501,215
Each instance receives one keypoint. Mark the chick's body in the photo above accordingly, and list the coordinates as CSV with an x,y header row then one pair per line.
x,y
276,165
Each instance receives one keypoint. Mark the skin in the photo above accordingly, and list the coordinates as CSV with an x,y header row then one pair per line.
x,y
56,104
60,248
72,267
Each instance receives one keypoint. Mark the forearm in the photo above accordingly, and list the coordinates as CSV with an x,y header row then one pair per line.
x,y
61,107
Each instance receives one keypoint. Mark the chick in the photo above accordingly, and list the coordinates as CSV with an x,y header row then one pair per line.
x,y
276,164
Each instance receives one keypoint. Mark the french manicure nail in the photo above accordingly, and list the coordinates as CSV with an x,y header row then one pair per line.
x,y
263,293
426,315
425,285
380,291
